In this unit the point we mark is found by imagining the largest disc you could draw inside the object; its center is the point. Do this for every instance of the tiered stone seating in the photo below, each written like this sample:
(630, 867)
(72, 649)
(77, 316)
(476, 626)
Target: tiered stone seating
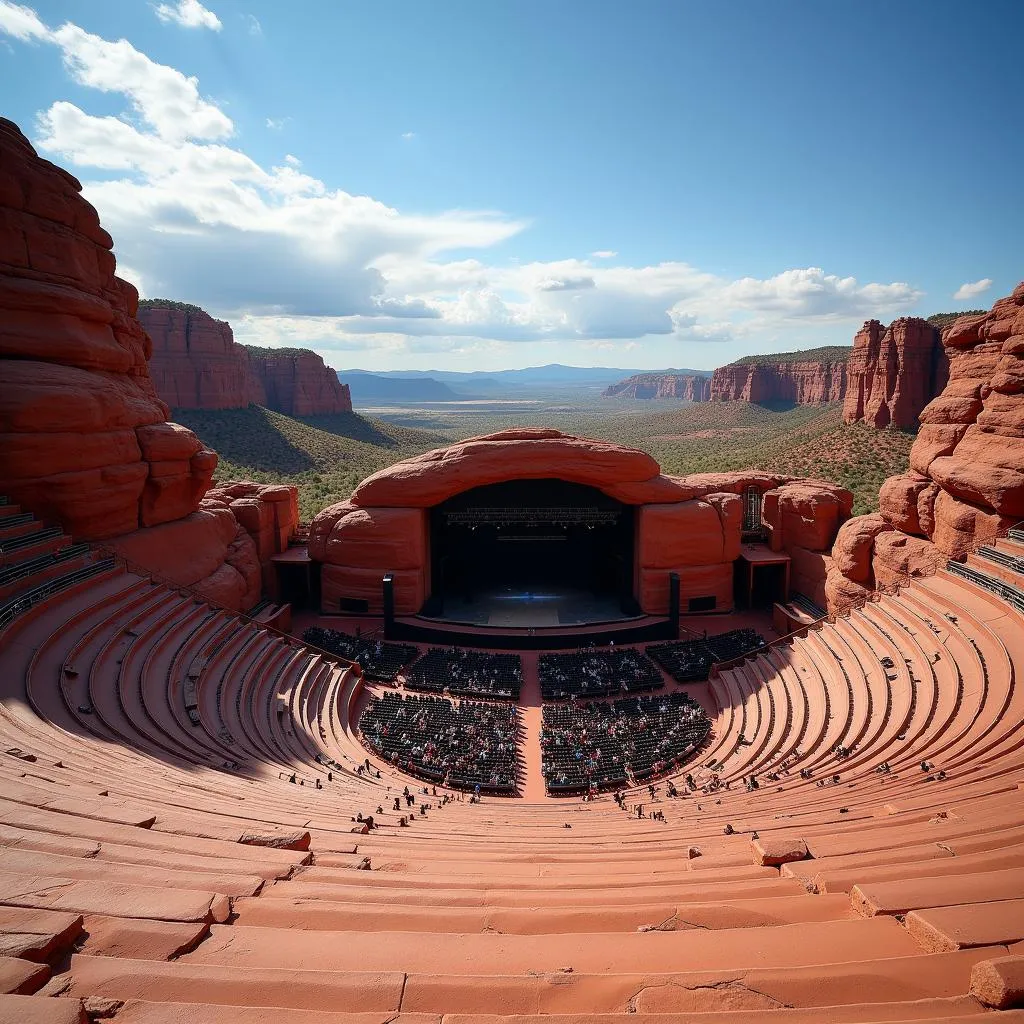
(179, 788)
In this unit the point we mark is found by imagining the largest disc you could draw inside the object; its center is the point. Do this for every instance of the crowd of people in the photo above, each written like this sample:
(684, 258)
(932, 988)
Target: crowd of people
(688, 661)
(468, 673)
(462, 745)
(377, 659)
(587, 746)
(596, 672)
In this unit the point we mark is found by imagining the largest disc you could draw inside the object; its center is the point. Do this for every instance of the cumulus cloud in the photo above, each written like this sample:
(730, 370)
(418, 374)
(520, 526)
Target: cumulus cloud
(971, 289)
(188, 14)
(288, 255)
(21, 22)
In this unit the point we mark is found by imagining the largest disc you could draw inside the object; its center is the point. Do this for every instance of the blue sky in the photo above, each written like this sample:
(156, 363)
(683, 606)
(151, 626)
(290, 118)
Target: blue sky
(471, 185)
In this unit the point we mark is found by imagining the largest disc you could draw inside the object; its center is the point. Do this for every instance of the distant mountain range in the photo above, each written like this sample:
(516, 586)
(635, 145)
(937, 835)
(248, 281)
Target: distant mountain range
(393, 386)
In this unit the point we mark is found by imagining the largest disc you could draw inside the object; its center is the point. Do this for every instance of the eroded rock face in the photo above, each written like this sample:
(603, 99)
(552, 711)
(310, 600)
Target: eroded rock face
(84, 437)
(196, 364)
(893, 372)
(691, 526)
(807, 382)
(687, 387)
(965, 485)
(297, 384)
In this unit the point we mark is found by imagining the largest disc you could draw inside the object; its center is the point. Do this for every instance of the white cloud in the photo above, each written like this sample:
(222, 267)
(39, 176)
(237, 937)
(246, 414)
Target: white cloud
(188, 14)
(972, 289)
(276, 123)
(279, 250)
(408, 136)
(21, 22)
(255, 28)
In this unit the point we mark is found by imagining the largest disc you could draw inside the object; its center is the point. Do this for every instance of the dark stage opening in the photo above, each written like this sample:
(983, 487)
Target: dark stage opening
(531, 553)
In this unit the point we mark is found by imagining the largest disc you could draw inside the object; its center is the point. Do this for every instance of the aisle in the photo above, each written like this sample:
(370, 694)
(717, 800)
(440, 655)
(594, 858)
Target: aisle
(530, 706)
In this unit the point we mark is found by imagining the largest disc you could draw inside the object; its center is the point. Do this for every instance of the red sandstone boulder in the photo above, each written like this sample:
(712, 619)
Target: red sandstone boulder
(898, 501)
(686, 533)
(730, 514)
(899, 558)
(810, 513)
(961, 527)
(808, 571)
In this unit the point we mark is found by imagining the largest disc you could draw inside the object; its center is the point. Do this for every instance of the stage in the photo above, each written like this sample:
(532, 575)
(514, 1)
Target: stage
(520, 607)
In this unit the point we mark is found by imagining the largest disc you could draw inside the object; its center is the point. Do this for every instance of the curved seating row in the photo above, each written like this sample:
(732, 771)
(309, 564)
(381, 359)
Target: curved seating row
(180, 789)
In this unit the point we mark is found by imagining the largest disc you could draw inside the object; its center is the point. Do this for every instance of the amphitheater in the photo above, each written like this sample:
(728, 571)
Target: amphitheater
(185, 783)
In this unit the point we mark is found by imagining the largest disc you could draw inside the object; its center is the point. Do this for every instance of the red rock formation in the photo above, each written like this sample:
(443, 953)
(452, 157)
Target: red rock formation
(965, 485)
(84, 439)
(689, 387)
(894, 372)
(803, 382)
(297, 383)
(196, 364)
(690, 526)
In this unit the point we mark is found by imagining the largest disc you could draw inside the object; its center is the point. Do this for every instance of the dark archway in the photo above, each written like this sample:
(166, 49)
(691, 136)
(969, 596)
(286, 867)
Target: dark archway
(551, 543)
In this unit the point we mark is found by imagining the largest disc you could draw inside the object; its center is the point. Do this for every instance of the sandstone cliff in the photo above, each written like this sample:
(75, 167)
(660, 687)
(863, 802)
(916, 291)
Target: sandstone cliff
(965, 485)
(84, 438)
(894, 372)
(196, 364)
(803, 378)
(689, 387)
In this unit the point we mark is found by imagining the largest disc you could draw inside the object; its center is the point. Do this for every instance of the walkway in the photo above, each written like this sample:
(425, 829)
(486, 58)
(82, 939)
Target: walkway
(530, 706)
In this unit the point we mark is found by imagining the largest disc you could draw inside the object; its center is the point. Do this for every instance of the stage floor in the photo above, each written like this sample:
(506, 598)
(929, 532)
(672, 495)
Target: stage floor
(527, 609)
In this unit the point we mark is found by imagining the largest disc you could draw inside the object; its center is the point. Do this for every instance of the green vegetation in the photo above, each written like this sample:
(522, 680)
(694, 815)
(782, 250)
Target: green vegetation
(943, 320)
(327, 456)
(259, 352)
(188, 307)
(825, 354)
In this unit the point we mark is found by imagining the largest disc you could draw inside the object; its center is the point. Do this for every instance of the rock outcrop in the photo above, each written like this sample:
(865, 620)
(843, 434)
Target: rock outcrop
(196, 364)
(691, 525)
(688, 387)
(965, 485)
(894, 372)
(84, 437)
(798, 378)
(296, 382)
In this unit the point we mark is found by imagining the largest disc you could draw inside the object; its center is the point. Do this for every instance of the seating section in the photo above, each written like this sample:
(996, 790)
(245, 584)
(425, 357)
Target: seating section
(463, 745)
(378, 660)
(469, 673)
(688, 661)
(184, 798)
(604, 672)
(594, 745)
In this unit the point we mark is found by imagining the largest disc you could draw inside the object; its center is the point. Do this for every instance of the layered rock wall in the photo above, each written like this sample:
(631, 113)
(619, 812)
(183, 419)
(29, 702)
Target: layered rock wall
(894, 372)
(84, 437)
(196, 364)
(965, 485)
(801, 382)
(688, 387)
